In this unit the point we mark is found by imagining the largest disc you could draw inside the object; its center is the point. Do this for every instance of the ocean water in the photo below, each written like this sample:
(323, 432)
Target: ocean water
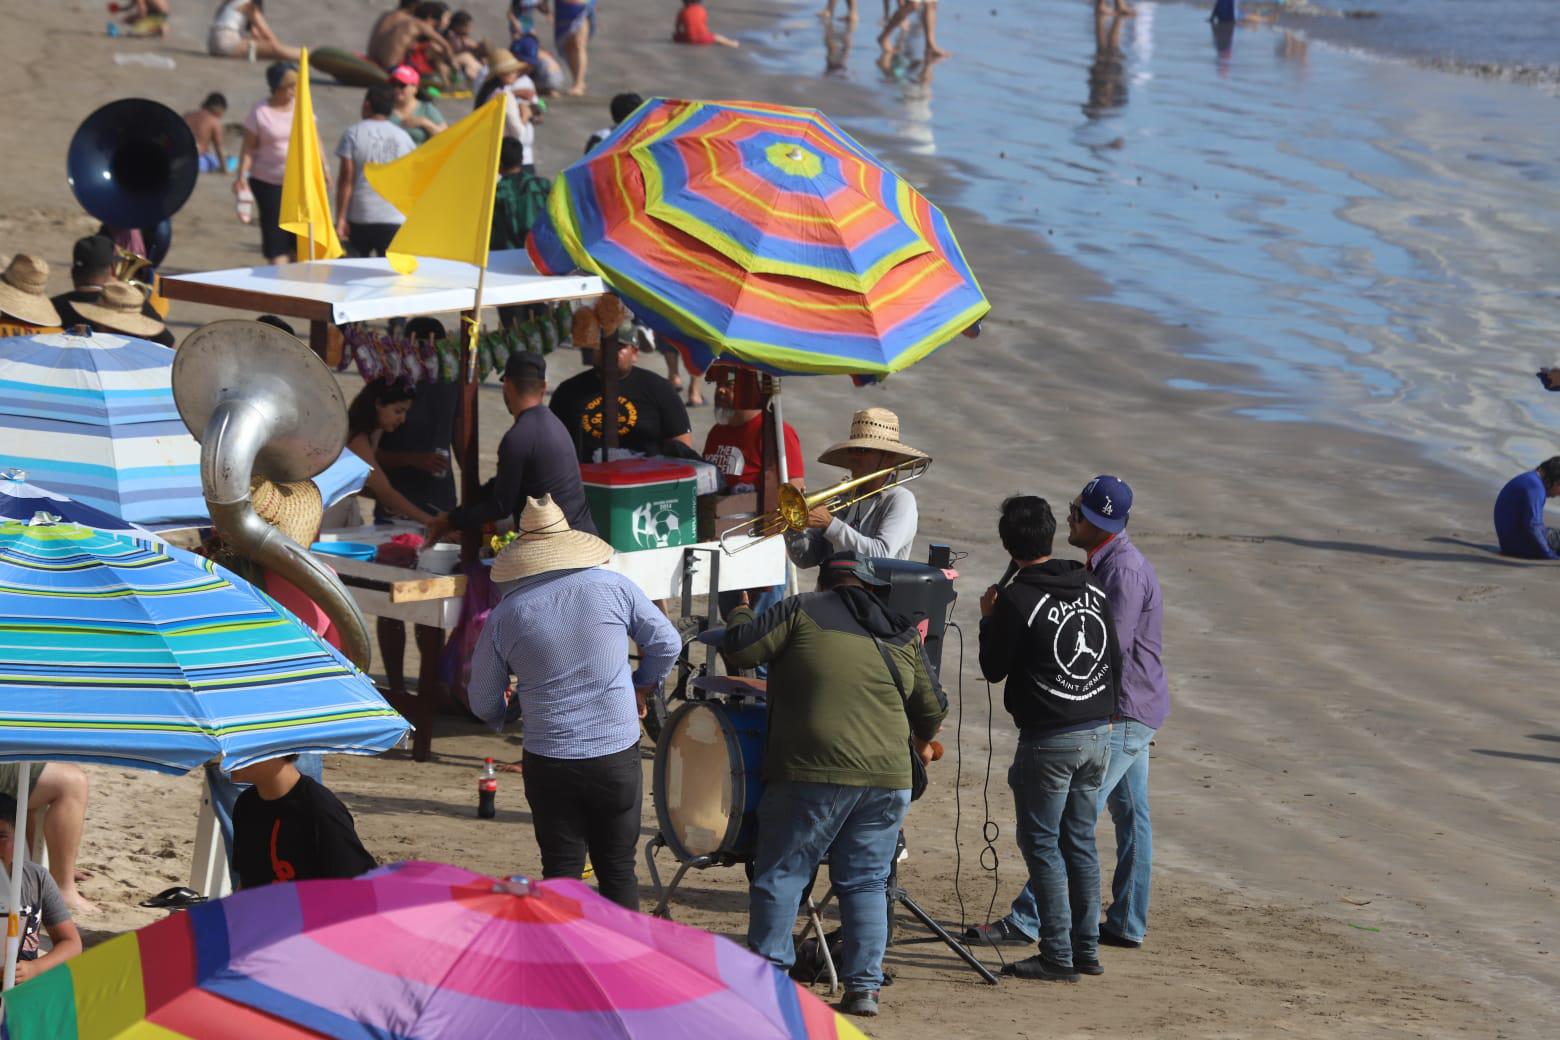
(1519, 37)
(1370, 242)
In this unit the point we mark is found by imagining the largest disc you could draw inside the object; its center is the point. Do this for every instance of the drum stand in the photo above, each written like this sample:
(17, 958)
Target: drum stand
(898, 894)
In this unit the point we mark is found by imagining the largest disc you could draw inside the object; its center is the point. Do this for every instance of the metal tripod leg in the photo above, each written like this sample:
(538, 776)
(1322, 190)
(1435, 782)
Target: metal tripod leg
(665, 895)
(902, 897)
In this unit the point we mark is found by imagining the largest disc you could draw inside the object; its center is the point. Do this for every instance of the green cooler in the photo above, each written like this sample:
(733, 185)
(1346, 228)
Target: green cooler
(642, 503)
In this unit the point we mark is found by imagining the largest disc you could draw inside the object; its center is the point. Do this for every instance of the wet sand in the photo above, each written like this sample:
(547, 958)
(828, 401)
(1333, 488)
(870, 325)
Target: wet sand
(1353, 793)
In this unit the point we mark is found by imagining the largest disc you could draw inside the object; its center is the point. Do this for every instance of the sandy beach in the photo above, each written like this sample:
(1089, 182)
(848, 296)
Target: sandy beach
(1354, 794)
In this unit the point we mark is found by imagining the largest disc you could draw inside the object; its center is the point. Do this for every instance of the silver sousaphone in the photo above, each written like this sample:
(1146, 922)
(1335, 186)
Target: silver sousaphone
(262, 404)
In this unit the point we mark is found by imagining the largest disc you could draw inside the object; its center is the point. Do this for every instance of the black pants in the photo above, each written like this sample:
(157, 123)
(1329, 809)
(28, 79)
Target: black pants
(274, 242)
(370, 239)
(588, 804)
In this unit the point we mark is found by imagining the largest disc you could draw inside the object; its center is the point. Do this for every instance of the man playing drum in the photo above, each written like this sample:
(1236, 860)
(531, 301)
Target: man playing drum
(876, 527)
(837, 764)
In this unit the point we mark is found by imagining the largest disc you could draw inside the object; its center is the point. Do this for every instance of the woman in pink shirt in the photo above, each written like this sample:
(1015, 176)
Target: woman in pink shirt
(263, 162)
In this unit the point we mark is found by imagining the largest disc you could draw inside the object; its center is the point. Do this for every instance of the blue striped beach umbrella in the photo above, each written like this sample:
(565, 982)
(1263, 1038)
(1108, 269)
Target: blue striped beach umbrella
(93, 418)
(20, 500)
(125, 651)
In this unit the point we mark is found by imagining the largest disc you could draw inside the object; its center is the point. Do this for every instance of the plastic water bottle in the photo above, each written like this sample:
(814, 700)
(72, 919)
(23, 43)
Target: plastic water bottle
(246, 205)
(487, 791)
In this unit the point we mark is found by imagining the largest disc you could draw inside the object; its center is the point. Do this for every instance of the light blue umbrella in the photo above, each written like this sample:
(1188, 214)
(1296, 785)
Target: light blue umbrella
(127, 651)
(93, 418)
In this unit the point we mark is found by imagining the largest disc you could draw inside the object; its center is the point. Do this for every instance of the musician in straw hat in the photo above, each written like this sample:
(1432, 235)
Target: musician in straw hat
(563, 631)
(22, 296)
(877, 527)
(119, 307)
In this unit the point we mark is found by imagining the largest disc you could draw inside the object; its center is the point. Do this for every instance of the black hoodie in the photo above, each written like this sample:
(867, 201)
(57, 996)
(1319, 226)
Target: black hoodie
(1052, 638)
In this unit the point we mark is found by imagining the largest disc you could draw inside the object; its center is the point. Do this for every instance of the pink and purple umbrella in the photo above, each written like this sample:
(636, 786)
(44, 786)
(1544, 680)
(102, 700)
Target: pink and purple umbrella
(418, 950)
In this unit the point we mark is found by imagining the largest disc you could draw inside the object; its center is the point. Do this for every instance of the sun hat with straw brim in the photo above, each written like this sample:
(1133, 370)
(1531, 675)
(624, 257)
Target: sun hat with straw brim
(118, 309)
(501, 61)
(23, 291)
(293, 509)
(872, 429)
(547, 543)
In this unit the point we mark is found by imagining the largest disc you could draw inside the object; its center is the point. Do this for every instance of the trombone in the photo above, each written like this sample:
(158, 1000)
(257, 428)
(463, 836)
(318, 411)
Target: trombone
(791, 514)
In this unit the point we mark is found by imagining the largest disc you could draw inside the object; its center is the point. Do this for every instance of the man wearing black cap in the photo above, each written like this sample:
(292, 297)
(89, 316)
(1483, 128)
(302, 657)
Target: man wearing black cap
(91, 268)
(836, 765)
(535, 458)
(649, 412)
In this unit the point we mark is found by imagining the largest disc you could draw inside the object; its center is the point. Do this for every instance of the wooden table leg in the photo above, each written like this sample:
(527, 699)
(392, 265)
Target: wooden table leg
(325, 340)
(430, 647)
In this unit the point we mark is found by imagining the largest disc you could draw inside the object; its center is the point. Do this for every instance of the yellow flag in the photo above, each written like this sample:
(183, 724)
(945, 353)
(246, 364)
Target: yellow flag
(305, 200)
(445, 190)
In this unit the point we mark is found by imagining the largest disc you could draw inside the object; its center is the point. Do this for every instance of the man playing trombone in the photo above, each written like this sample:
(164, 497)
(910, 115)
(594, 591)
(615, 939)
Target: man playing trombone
(878, 523)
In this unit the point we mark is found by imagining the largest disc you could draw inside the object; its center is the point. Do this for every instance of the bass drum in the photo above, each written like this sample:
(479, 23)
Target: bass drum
(708, 779)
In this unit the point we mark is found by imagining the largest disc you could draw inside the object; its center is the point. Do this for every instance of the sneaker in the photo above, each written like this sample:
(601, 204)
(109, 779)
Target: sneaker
(1087, 966)
(1110, 938)
(863, 1003)
(1041, 968)
(998, 933)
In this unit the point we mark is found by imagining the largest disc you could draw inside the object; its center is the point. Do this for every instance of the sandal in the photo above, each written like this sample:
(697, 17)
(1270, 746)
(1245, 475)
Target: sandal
(177, 898)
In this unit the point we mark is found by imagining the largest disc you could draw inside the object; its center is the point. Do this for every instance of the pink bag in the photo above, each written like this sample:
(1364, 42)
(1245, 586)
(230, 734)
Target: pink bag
(481, 597)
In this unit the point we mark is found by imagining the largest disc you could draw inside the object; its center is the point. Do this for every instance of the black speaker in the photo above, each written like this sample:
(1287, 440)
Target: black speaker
(926, 595)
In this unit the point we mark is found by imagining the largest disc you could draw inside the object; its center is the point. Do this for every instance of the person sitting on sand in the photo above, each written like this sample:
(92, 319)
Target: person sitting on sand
(41, 908)
(545, 69)
(468, 50)
(1519, 513)
(290, 827)
(61, 788)
(623, 106)
(693, 26)
(928, 9)
(144, 17)
(23, 303)
(239, 30)
(205, 123)
(399, 33)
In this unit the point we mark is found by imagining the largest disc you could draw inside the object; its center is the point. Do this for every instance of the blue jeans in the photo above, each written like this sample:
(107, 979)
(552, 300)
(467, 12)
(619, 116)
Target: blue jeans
(1056, 784)
(1125, 793)
(224, 794)
(855, 828)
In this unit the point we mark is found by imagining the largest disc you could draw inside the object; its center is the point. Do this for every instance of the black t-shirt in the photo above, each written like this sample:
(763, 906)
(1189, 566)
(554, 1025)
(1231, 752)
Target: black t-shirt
(649, 412)
(535, 458)
(429, 426)
(69, 316)
(304, 835)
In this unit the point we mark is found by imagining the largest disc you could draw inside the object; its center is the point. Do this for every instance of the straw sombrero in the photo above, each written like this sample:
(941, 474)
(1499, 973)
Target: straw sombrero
(294, 509)
(547, 543)
(501, 61)
(22, 291)
(875, 429)
(118, 309)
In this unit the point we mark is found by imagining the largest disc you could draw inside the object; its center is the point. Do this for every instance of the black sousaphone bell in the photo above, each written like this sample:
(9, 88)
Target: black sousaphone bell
(132, 164)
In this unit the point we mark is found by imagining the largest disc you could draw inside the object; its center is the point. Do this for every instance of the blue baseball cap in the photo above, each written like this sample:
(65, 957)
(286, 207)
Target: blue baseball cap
(1105, 502)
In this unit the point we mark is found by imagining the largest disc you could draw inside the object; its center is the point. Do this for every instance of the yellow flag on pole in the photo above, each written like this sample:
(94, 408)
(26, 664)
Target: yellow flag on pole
(305, 199)
(445, 190)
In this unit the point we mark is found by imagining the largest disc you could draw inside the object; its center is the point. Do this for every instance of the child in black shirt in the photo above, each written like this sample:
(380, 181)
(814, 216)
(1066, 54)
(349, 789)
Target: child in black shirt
(288, 827)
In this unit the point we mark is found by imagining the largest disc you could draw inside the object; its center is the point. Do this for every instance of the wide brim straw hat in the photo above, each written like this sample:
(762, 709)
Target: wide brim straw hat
(23, 291)
(501, 61)
(547, 543)
(118, 309)
(872, 429)
(294, 509)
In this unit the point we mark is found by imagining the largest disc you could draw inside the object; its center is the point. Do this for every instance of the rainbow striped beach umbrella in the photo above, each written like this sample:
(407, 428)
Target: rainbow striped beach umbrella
(418, 950)
(763, 233)
(126, 651)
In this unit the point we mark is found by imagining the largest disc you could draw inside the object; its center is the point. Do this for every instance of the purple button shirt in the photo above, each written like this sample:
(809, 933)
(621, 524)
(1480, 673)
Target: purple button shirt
(1132, 587)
